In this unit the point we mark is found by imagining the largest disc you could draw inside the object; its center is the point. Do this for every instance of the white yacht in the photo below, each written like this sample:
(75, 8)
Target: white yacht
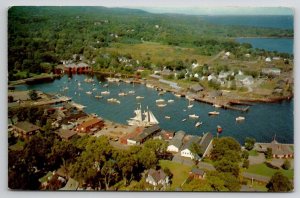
(240, 118)
(198, 124)
(105, 93)
(193, 116)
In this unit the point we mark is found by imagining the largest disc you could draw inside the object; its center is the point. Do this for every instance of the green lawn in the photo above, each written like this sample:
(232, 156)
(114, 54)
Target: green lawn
(180, 172)
(262, 169)
(253, 153)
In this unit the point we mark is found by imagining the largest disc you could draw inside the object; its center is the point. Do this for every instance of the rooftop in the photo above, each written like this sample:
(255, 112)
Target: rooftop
(27, 126)
(66, 133)
(157, 175)
(90, 122)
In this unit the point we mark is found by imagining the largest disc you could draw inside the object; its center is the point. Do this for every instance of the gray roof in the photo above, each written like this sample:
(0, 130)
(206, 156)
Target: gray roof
(176, 142)
(196, 88)
(177, 139)
(157, 175)
(179, 135)
(194, 139)
(147, 132)
(66, 133)
(27, 126)
(198, 171)
(205, 140)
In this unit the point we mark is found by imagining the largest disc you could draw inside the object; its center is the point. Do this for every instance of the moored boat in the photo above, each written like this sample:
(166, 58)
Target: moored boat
(143, 119)
(213, 113)
(193, 116)
(198, 124)
(88, 92)
(105, 93)
(114, 100)
(161, 105)
(97, 96)
(240, 118)
(216, 105)
(160, 100)
(122, 94)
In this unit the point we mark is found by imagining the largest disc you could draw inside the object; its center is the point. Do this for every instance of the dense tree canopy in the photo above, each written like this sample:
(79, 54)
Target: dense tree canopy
(279, 183)
(40, 37)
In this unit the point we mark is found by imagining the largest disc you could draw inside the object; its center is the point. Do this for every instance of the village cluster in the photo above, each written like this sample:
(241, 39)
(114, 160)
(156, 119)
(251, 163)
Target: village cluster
(69, 120)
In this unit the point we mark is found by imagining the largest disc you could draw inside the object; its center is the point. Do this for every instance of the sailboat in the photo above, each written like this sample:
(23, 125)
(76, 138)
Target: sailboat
(142, 119)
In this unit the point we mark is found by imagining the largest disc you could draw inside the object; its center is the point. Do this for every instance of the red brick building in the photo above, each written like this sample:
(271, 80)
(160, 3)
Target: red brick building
(90, 125)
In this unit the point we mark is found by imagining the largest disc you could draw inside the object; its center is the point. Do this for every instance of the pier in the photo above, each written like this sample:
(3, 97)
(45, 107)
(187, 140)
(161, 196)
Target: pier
(61, 99)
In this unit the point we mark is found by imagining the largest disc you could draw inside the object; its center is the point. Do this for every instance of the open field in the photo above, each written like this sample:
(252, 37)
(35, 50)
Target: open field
(262, 169)
(180, 172)
(156, 52)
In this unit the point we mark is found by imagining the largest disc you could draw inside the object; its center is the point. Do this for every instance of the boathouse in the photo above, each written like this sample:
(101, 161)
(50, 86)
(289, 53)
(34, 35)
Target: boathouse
(77, 68)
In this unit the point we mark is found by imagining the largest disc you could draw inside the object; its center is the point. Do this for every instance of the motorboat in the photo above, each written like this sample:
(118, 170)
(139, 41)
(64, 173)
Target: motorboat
(183, 120)
(240, 118)
(213, 113)
(161, 105)
(198, 124)
(160, 100)
(88, 92)
(113, 100)
(122, 94)
(131, 92)
(105, 93)
(216, 106)
(97, 96)
(193, 116)
(170, 101)
(139, 97)
(177, 95)
(167, 117)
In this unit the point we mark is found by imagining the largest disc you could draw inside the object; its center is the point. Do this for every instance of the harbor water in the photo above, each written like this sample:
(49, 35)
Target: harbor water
(262, 121)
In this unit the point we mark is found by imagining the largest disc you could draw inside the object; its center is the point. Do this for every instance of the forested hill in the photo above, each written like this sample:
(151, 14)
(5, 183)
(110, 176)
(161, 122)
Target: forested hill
(44, 35)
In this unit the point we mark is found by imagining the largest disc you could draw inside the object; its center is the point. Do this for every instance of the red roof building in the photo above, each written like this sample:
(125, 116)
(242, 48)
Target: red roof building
(90, 125)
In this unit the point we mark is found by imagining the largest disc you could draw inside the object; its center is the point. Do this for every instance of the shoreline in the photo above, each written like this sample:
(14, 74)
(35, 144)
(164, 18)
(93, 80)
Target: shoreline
(226, 102)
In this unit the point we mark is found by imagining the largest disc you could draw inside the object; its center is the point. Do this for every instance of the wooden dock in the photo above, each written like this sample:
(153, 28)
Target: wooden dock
(52, 101)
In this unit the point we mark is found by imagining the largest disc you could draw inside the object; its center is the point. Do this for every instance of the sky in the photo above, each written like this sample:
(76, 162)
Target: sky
(221, 10)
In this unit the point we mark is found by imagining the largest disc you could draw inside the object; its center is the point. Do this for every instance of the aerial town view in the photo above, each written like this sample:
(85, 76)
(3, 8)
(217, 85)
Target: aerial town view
(146, 99)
